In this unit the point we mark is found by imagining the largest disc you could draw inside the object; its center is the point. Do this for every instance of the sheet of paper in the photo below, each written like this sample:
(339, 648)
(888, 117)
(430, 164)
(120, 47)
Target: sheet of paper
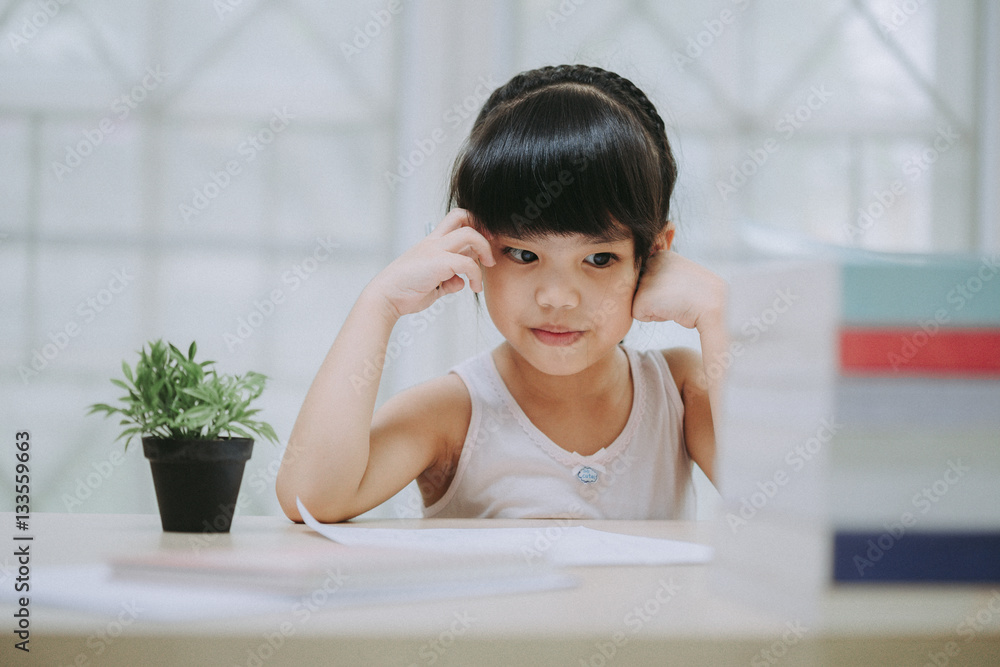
(558, 545)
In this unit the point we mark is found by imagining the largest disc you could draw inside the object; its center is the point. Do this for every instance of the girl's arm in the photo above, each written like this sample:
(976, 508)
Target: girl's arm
(674, 288)
(334, 462)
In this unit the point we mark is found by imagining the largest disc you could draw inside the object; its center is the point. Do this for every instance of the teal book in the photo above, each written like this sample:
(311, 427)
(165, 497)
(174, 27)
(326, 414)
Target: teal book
(934, 291)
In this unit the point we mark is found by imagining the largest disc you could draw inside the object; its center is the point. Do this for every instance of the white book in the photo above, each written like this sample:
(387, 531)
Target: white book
(773, 549)
(919, 403)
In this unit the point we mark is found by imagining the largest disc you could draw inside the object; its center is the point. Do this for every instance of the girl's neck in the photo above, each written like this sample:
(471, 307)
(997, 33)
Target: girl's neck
(609, 376)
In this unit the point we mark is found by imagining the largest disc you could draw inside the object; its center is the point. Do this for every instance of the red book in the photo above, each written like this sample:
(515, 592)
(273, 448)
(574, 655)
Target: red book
(944, 351)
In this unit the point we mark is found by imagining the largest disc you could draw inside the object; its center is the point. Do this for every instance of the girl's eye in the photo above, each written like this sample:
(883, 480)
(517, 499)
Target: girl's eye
(600, 258)
(519, 255)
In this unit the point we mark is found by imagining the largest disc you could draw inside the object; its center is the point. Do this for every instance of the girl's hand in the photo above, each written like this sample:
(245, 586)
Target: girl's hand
(673, 288)
(434, 266)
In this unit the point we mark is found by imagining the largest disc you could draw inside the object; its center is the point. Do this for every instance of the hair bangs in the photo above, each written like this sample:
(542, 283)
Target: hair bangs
(567, 161)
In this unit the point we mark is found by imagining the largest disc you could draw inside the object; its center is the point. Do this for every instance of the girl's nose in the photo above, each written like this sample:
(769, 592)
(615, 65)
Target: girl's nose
(554, 292)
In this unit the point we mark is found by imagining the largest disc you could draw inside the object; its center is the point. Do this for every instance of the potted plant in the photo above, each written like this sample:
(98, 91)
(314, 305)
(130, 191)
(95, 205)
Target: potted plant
(196, 428)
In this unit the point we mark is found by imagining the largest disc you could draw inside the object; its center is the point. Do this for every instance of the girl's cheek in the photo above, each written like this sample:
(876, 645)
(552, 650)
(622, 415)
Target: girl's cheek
(626, 284)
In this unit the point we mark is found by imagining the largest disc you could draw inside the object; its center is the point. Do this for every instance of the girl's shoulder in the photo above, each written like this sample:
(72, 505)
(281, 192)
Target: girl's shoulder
(448, 396)
(439, 408)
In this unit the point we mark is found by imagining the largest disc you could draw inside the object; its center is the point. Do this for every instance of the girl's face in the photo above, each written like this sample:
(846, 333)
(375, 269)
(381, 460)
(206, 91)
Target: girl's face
(562, 302)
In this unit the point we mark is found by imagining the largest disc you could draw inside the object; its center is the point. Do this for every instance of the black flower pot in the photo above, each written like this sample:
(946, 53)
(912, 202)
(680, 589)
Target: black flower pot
(197, 481)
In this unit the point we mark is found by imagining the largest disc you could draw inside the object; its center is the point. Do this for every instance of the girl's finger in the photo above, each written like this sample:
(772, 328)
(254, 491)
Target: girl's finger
(470, 221)
(468, 266)
(456, 218)
(453, 284)
(469, 242)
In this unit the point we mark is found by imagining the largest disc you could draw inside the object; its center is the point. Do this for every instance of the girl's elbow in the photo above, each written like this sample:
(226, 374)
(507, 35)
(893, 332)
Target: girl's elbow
(319, 506)
(286, 499)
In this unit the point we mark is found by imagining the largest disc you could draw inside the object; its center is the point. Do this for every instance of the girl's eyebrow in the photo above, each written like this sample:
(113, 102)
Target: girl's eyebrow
(582, 241)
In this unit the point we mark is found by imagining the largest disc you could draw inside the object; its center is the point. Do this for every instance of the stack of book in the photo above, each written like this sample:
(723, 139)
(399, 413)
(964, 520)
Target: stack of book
(914, 483)
(860, 430)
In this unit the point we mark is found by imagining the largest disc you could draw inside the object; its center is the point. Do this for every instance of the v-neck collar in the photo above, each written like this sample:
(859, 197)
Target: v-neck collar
(547, 444)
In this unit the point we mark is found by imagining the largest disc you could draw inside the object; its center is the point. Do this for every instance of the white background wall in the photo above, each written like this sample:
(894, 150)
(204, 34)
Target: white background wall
(114, 114)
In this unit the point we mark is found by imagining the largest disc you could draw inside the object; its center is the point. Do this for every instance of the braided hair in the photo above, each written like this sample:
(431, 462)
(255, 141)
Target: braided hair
(568, 149)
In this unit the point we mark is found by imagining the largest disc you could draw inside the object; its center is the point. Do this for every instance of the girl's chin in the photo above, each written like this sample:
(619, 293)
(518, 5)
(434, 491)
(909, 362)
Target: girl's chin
(557, 359)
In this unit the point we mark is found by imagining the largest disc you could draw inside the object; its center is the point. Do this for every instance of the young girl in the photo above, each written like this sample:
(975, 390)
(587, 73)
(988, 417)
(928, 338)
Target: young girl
(561, 221)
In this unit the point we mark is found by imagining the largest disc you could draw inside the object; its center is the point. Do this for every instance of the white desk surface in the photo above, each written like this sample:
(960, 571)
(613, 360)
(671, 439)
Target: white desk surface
(872, 625)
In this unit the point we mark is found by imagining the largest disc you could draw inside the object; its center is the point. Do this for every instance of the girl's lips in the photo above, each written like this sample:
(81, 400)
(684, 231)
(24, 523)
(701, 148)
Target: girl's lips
(557, 338)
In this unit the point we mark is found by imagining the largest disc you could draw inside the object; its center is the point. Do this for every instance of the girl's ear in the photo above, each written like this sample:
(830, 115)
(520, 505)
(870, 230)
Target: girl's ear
(665, 239)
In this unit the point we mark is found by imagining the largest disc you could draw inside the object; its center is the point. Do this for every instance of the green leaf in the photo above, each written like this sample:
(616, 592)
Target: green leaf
(199, 416)
(169, 394)
(119, 383)
(267, 432)
(200, 393)
(233, 428)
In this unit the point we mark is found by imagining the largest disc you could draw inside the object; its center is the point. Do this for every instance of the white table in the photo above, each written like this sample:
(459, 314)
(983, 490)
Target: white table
(884, 625)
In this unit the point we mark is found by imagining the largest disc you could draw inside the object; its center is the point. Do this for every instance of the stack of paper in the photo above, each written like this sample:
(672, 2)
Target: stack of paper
(915, 466)
(185, 585)
(347, 575)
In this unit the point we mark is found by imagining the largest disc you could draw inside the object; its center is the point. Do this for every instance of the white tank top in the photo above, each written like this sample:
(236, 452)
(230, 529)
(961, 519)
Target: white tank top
(510, 469)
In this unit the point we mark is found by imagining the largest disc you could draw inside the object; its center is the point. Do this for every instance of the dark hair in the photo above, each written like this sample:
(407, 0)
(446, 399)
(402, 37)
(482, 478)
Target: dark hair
(568, 149)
